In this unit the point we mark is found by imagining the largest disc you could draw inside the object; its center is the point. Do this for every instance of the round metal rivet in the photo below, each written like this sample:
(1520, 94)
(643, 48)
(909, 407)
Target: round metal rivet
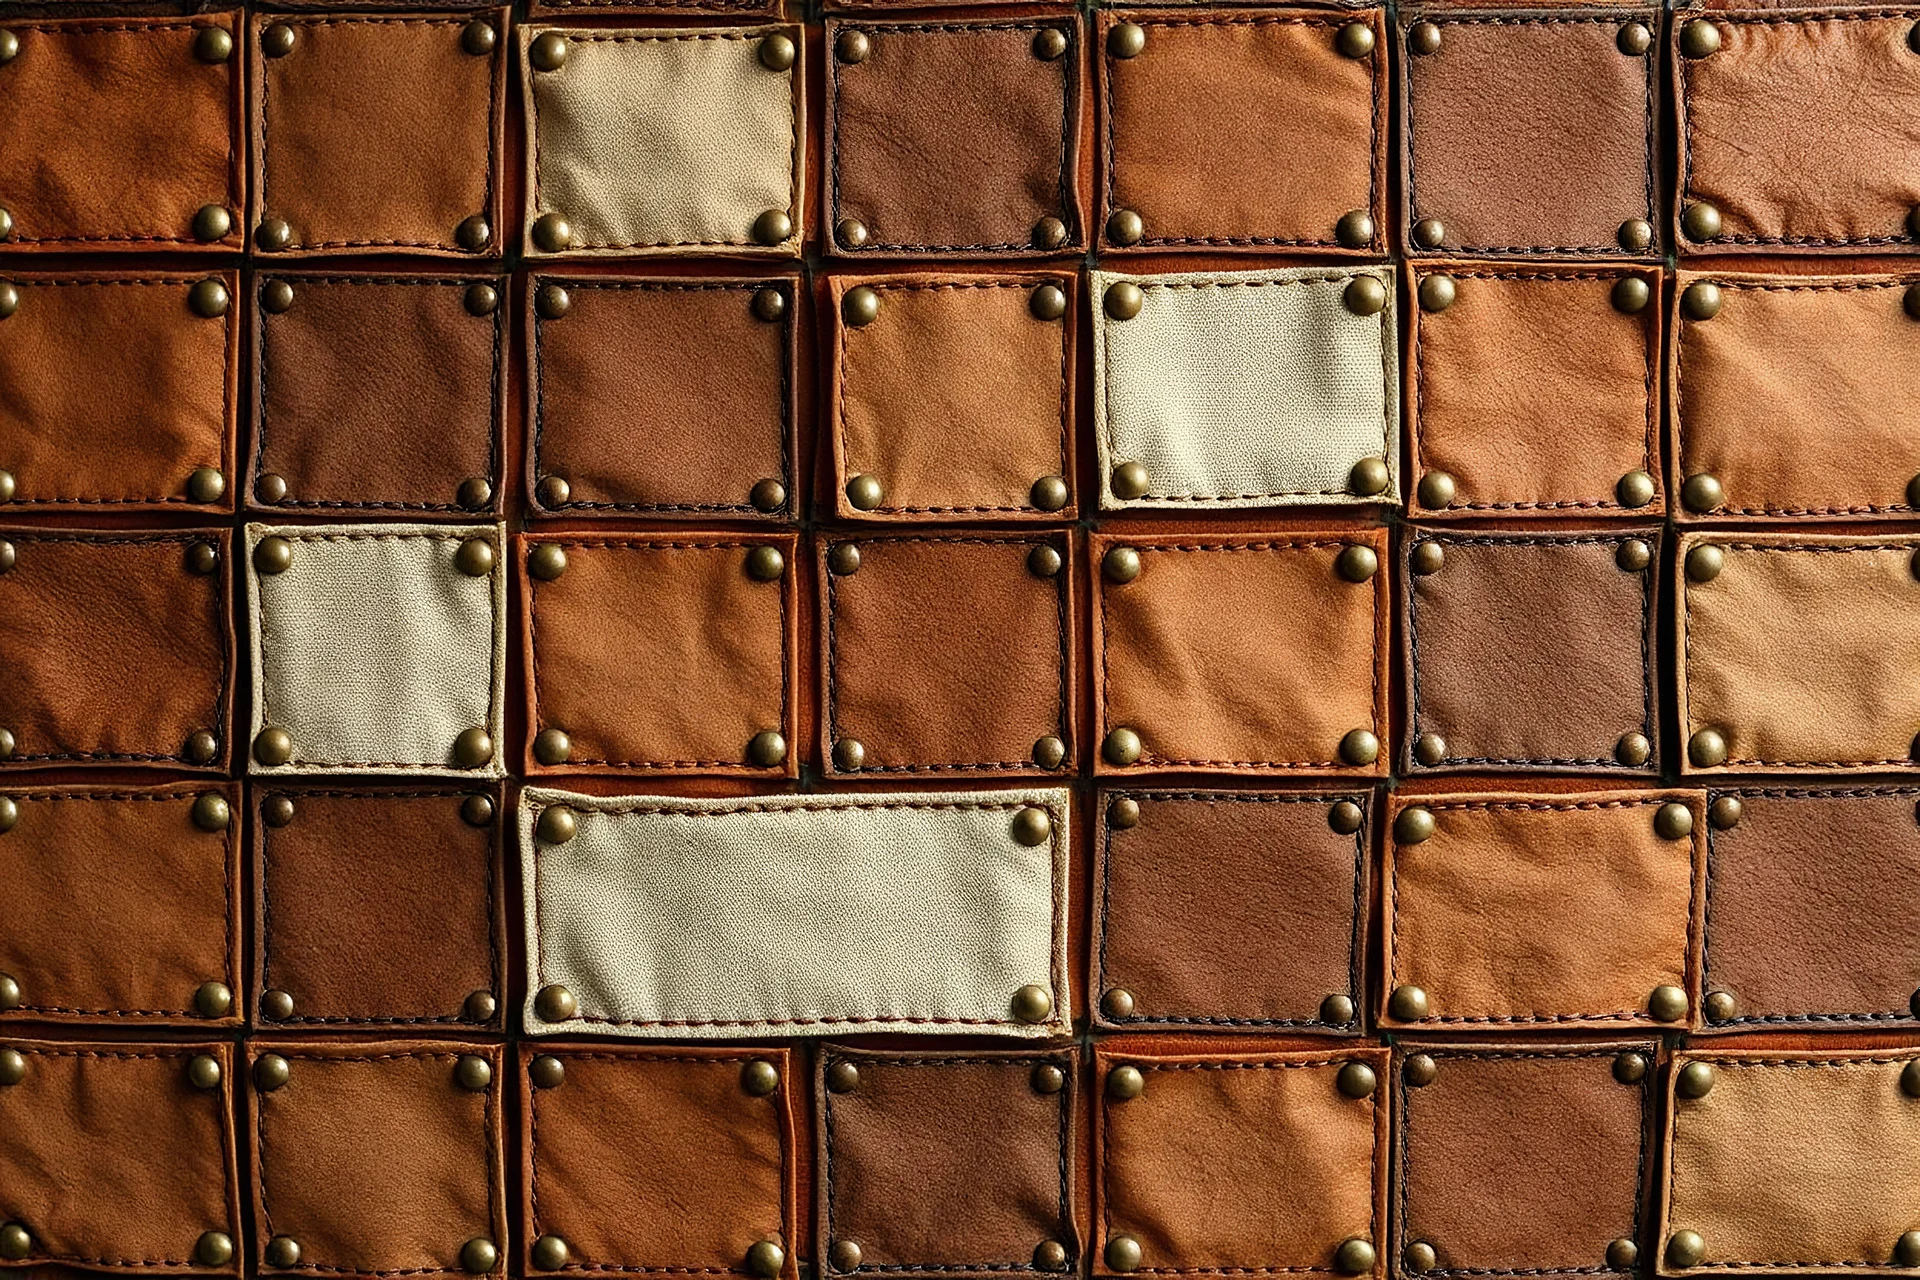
(1910, 1079)
(1049, 43)
(770, 304)
(479, 1006)
(1437, 292)
(481, 299)
(1426, 557)
(206, 484)
(1122, 1253)
(1356, 1080)
(1423, 38)
(474, 233)
(555, 1003)
(1356, 563)
(850, 233)
(1699, 39)
(202, 559)
(1686, 1249)
(844, 1255)
(1634, 749)
(556, 824)
(1430, 749)
(479, 1256)
(1419, 1256)
(213, 1248)
(1707, 748)
(843, 558)
(208, 299)
(272, 555)
(1032, 826)
(549, 1253)
(548, 52)
(273, 233)
(1702, 492)
(1634, 39)
(1049, 233)
(478, 37)
(1704, 562)
(766, 1258)
(1126, 40)
(473, 1072)
(13, 1067)
(546, 1071)
(1048, 1078)
(768, 495)
(273, 746)
(1354, 230)
(1355, 40)
(551, 302)
(1668, 1003)
(1724, 812)
(1049, 493)
(1365, 296)
(1125, 1083)
(1913, 214)
(1048, 302)
(211, 222)
(283, 1251)
(547, 561)
(10, 47)
(852, 47)
(1429, 232)
(1701, 221)
(1122, 300)
(1695, 1080)
(1120, 564)
(552, 233)
(1673, 821)
(1338, 1010)
(1906, 1250)
(1414, 824)
(473, 748)
(210, 812)
(1049, 752)
(277, 41)
(759, 1078)
(270, 1072)
(849, 755)
(10, 996)
(1123, 813)
(276, 1006)
(1718, 1006)
(1631, 295)
(1355, 1257)
(1125, 227)
(1634, 490)
(1437, 490)
(766, 563)
(9, 814)
(553, 492)
(1050, 1255)
(861, 306)
(865, 493)
(1630, 1068)
(474, 558)
(777, 52)
(1369, 477)
(1345, 817)
(843, 1077)
(1117, 1003)
(1635, 235)
(277, 811)
(7, 743)
(276, 297)
(16, 1242)
(1128, 481)
(767, 749)
(9, 303)
(6, 224)
(1359, 746)
(1121, 746)
(1032, 1003)
(1419, 1071)
(1408, 1003)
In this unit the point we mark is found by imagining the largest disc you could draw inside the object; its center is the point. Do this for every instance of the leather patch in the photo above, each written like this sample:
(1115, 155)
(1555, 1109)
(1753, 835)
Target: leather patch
(129, 867)
(1184, 878)
(957, 397)
(716, 377)
(1543, 909)
(350, 371)
(378, 908)
(1529, 133)
(1531, 651)
(922, 1133)
(119, 650)
(114, 390)
(1518, 346)
(660, 1161)
(947, 655)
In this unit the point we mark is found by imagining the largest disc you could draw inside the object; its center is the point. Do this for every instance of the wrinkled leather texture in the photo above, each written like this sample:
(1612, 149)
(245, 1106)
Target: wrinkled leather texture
(113, 391)
(113, 1161)
(657, 654)
(947, 654)
(1531, 651)
(1244, 129)
(1535, 908)
(1796, 652)
(1529, 132)
(378, 908)
(83, 864)
(378, 133)
(952, 137)
(115, 652)
(1178, 894)
(350, 373)
(1794, 395)
(375, 1159)
(716, 384)
(1519, 347)
(955, 397)
(86, 159)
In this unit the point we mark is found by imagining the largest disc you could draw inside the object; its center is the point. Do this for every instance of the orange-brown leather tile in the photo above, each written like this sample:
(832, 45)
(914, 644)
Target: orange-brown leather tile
(1813, 900)
(115, 389)
(1530, 132)
(378, 908)
(1531, 651)
(1245, 129)
(118, 132)
(119, 647)
(1524, 1159)
(956, 395)
(661, 1161)
(1793, 654)
(155, 870)
(1514, 909)
(349, 375)
(1797, 131)
(1510, 347)
(953, 138)
(1184, 878)
(947, 654)
(377, 133)
(668, 398)
(1241, 653)
(918, 1133)
(1781, 397)
(117, 1160)
(1241, 1163)
(656, 654)
(377, 1157)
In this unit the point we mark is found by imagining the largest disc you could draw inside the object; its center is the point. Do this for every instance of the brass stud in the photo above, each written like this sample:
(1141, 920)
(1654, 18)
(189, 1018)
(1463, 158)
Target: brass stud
(472, 1072)
(210, 222)
(1634, 490)
(270, 1072)
(1673, 821)
(1049, 44)
(1356, 1080)
(1126, 40)
(1702, 492)
(7, 743)
(1704, 562)
(1365, 296)
(277, 41)
(202, 559)
(547, 561)
(548, 52)
(10, 47)
(277, 811)
(1345, 817)
(843, 558)
(273, 233)
(1129, 480)
(204, 1072)
(555, 1003)
(1429, 232)
(273, 746)
(1910, 302)
(1695, 1080)
(548, 1253)
(766, 563)
(1420, 1070)
(1414, 824)
(1050, 1255)
(1426, 558)
(768, 495)
(1048, 1078)
(844, 1255)
(1635, 235)
(1122, 1253)
(546, 1071)
(1913, 214)
(1032, 826)
(1423, 38)
(479, 1006)
(852, 47)
(1686, 1249)
(1408, 1003)
(10, 996)
(1630, 1067)
(474, 233)
(1125, 1083)
(1049, 233)
(777, 52)
(1048, 302)
(851, 233)
(1419, 1256)
(207, 299)
(9, 303)
(1668, 1003)
(9, 814)
(1910, 1079)
(206, 485)
(1355, 1257)
(1699, 39)
(552, 233)
(211, 812)
(481, 299)
(1125, 227)
(1359, 746)
(849, 755)
(276, 1006)
(1430, 749)
(1634, 39)
(1121, 746)
(1124, 813)
(473, 748)
(843, 1077)
(1355, 40)
(13, 1067)
(1437, 490)
(1120, 564)
(1369, 477)
(1049, 493)
(479, 1256)
(1437, 292)
(552, 746)
(1049, 751)
(213, 1248)
(1634, 749)
(1724, 812)
(1631, 295)
(767, 749)
(1701, 221)
(1707, 748)
(1117, 1002)
(16, 1242)
(1122, 300)
(861, 306)
(1906, 1250)
(1356, 562)
(556, 825)
(474, 493)
(1338, 1010)
(553, 492)
(765, 1258)
(272, 555)
(1718, 1006)
(474, 558)
(759, 1078)
(1032, 1003)
(551, 302)
(1354, 230)
(864, 492)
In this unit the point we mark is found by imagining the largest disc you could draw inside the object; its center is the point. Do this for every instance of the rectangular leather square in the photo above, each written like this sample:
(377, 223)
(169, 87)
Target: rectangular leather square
(1791, 398)
(153, 872)
(656, 654)
(1283, 668)
(378, 907)
(1510, 909)
(146, 157)
(1531, 651)
(1793, 652)
(1182, 880)
(904, 1138)
(1494, 350)
(1796, 131)
(1246, 129)
(1523, 1160)
(954, 394)
(118, 1160)
(663, 397)
(349, 368)
(954, 138)
(947, 655)
(119, 648)
(664, 1161)
(378, 133)
(1267, 1161)
(377, 1157)
(1813, 900)
(1531, 132)
(118, 390)
(1801, 1160)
